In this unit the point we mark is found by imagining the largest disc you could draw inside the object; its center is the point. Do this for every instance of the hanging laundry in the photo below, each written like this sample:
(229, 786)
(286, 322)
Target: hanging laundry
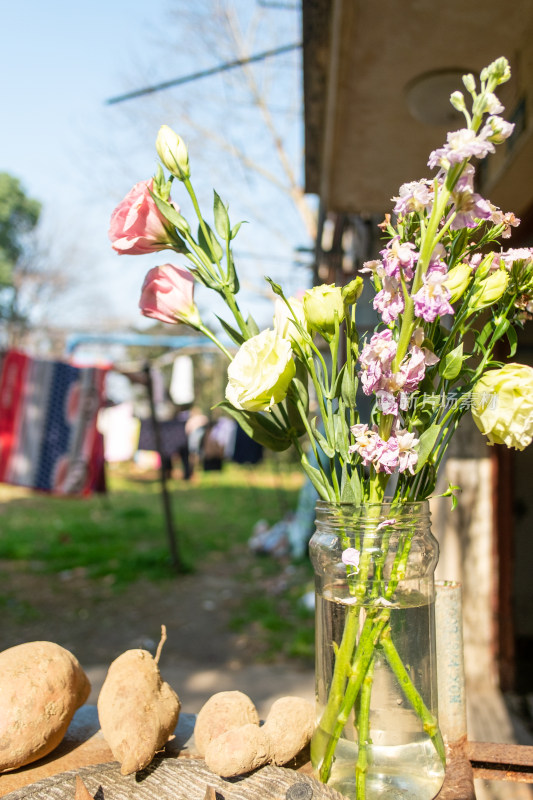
(181, 388)
(48, 435)
(120, 430)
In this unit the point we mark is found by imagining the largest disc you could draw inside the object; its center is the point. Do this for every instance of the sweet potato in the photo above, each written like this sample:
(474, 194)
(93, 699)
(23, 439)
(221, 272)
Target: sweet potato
(41, 686)
(137, 710)
(288, 727)
(233, 749)
(237, 751)
(223, 711)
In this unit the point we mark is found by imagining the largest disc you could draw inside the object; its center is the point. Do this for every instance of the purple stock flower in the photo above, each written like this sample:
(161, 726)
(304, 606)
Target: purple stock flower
(389, 456)
(389, 302)
(376, 370)
(408, 457)
(399, 258)
(497, 129)
(397, 453)
(375, 360)
(413, 369)
(470, 207)
(432, 299)
(351, 557)
(414, 197)
(512, 255)
(387, 402)
(367, 444)
(460, 145)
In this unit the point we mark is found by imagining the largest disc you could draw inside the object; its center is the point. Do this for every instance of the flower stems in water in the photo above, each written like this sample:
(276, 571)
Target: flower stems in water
(396, 664)
(364, 733)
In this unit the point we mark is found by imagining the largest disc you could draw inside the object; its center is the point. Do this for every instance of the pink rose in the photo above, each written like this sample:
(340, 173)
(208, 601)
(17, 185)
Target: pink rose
(137, 226)
(167, 295)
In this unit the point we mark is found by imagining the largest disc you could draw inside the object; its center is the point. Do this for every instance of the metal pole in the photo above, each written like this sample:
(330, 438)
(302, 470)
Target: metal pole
(171, 534)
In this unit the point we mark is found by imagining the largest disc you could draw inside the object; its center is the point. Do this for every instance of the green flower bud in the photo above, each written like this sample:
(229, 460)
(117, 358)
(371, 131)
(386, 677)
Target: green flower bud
(469, 83)
(484, 266)
(322, 304)
(458, 101)
(173, 153)
(457, 281)
(489, 290)
(499, 71)
(351, 292)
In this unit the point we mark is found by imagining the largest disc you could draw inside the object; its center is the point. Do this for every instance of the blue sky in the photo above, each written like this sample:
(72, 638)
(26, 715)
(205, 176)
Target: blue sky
(60, 61)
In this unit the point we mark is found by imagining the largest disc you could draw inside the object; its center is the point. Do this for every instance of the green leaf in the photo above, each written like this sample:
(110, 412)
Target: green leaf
(259, 427)
(426, 445)
(451, 366)
(170, 213)
(501, 328)
(234, 335)
(347, 492)
(338, 382)
(300, 381)
(232, 275)
(252, 326)
(235, 229)
(295, 417)
(329, 451)
(349, 389)
(357, 489)
(341, 433)
(513, 341)
(204, 277)
(485, 333)
(350, 487)
(210, 246)
(220, 214)
(318, 481)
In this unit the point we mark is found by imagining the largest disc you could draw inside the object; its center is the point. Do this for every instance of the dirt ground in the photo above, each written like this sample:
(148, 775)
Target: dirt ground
(97, 623)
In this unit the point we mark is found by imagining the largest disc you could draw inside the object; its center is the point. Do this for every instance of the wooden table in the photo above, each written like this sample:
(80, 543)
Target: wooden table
(84, 751)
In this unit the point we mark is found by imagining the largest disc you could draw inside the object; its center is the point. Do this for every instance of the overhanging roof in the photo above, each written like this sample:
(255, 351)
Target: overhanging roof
(371, 68)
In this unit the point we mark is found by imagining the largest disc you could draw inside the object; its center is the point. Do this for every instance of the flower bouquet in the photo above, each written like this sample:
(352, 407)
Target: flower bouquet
(447, 296)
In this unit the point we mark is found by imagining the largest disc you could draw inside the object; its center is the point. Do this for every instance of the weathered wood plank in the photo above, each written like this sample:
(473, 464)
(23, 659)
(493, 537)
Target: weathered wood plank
(178, 779)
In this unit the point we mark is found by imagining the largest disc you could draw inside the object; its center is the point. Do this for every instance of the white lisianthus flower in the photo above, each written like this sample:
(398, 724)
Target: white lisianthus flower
(502, 405)
(260, 374)
(284, 321)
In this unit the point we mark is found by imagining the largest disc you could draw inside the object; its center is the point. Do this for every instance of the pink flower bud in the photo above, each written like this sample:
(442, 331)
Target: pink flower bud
(167, 295)
(137, 226)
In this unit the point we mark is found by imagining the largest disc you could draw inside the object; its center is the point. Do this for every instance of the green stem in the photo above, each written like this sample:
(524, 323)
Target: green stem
(363, 655)
(363, 728)
(229, 297)
(214, 339)
(428, 720)
(192, 194)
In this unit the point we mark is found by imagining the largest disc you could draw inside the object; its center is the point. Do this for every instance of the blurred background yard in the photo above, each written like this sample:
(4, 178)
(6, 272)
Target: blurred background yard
(95, 574)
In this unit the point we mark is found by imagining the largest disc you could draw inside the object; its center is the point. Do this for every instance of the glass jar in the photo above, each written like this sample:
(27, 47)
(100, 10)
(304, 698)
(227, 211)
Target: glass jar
(377, 734)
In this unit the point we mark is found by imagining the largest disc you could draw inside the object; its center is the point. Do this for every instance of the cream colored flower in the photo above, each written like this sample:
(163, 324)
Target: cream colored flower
(172, 151)
(284, 321)
(502, 405)
(321, 304)
(260, 374)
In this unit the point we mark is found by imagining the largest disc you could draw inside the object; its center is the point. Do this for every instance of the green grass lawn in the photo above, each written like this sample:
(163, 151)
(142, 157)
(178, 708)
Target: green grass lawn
(122, 536)
(123, 533)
